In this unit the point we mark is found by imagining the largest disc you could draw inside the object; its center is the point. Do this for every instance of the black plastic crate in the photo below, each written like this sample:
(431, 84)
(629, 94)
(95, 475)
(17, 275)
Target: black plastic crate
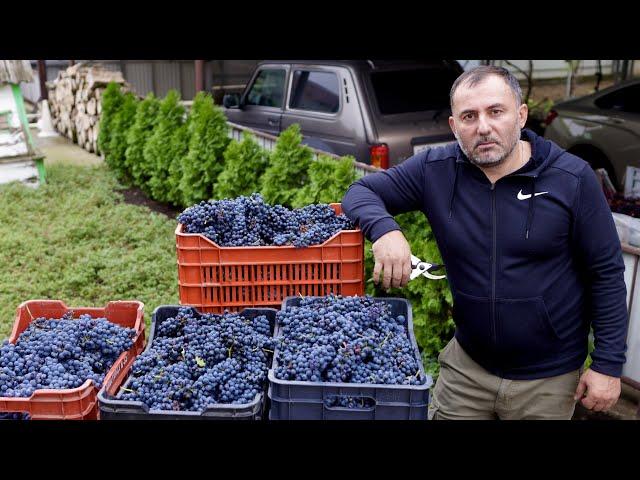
(298, 400)
(112, 408)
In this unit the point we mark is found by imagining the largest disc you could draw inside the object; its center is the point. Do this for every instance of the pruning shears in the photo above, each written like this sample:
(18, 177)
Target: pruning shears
(424, 268)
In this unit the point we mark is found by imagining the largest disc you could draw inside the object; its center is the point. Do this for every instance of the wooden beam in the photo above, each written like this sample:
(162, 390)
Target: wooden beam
(199, 65)
(42, 75)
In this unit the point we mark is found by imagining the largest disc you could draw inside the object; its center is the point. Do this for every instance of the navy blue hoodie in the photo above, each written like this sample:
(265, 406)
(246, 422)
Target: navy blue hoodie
(532, 260)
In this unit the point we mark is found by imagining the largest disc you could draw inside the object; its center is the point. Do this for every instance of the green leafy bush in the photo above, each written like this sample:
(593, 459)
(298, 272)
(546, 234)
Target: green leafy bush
(244, 164)
(329, 180)
(145, 120)
(158, 152)
(287, 170)
(209, 137)
(179, 150)
(111, 102)
(122, 122)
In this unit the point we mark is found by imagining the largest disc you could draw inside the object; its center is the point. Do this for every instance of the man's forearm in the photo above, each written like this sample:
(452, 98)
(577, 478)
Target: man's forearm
(367, 210)
(599, 249)
(373, 200)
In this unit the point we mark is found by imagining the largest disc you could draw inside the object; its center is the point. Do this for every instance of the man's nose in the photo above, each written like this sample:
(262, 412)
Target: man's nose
(483, 125)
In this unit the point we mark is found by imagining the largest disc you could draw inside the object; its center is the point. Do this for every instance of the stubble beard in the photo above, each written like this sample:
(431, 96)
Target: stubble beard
(492, 160)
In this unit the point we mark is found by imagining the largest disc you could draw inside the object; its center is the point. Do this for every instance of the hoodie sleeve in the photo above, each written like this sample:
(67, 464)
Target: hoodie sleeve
(373, 200)
(599, 250)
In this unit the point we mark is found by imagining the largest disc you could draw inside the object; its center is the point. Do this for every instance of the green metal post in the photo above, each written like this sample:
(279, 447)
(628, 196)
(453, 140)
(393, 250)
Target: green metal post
(22, 114)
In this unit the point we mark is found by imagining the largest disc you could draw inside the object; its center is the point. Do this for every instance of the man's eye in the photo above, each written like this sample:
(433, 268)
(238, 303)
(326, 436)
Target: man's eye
(468, 116)
(496, 112)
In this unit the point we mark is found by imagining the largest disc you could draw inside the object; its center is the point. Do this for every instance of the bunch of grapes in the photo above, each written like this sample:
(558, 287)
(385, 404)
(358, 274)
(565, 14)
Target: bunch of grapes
(345, 339)
(198, 360)
(248, 221)
(619, 204)
(61, 354)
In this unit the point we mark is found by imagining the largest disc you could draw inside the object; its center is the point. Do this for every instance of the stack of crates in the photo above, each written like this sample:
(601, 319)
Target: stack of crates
(214, 278)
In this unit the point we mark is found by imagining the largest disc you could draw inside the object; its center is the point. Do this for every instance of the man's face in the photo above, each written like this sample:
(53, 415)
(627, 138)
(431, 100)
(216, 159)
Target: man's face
(487, 120)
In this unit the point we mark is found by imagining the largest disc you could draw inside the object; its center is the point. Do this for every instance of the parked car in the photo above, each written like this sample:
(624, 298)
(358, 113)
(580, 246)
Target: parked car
(602, 128)
(381, 112)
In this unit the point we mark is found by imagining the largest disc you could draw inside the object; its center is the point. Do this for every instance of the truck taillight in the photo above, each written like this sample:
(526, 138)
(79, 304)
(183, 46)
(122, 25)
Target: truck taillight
(550, 117)
(379, 155)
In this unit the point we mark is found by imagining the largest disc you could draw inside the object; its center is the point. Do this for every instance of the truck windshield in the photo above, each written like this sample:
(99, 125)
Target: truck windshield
(406, 91)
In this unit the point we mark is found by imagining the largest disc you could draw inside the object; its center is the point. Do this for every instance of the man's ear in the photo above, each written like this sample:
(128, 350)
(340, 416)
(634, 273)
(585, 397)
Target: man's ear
(523, 114)
(452, 125)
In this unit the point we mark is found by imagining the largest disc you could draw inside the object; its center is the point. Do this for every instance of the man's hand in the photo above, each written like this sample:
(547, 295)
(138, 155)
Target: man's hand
(602, 391)
(392, 256)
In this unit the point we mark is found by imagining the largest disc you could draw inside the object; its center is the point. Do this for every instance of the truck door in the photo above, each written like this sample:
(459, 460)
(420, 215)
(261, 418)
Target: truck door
(322, 101)
(263, 101)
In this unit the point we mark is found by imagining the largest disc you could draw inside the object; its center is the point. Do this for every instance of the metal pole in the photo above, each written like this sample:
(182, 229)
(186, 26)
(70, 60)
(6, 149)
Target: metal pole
(42, 76)
(154, 83)
(199, 65)
(625, 70)
(616, 71)
(567, 93)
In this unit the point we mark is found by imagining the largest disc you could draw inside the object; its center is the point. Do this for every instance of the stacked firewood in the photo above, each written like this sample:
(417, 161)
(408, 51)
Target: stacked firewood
(75, 101)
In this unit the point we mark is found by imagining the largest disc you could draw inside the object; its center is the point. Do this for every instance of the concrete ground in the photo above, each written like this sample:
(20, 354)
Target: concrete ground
(61, 149)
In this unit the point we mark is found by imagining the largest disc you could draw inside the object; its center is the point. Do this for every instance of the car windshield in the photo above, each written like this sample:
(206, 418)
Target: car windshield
(406, 91)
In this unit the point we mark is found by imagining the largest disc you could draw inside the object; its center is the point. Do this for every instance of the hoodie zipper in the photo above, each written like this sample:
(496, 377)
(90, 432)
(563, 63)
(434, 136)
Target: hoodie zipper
(493, 265)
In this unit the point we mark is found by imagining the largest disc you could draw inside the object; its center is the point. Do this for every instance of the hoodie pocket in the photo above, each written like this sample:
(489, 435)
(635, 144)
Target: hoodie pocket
(524, 332)
(472, 316)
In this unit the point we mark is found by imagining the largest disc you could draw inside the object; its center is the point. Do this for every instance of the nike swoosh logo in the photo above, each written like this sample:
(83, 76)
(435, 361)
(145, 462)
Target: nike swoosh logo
(521, 196)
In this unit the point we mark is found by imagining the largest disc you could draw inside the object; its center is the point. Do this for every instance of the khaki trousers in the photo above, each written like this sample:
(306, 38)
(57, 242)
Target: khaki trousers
(466, 391)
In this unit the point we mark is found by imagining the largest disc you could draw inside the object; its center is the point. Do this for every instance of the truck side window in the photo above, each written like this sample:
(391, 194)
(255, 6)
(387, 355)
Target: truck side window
(268, 89)
(316, 91)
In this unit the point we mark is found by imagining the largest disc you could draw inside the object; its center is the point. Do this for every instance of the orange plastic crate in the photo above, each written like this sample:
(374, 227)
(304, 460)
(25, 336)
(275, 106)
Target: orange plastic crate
(79, 403)
(214, 278)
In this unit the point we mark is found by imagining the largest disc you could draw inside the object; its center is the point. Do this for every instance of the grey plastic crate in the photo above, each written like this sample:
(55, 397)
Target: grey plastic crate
(113, 408)
(298, 400)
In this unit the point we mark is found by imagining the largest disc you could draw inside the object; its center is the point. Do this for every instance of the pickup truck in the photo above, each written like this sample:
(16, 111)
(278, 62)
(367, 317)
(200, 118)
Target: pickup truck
(381, 112)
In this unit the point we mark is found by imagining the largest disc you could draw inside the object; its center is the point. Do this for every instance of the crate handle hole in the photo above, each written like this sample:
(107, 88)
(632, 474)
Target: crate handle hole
(15, 416)
(349, 402)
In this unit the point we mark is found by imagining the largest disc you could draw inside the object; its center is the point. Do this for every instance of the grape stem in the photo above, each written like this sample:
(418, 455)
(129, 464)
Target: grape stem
(385, 339)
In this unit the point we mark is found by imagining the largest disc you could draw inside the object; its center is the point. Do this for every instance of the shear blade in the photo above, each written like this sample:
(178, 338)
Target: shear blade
(433, 277)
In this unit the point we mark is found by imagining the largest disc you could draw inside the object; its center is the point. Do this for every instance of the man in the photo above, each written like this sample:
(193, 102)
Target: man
(532, 257)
